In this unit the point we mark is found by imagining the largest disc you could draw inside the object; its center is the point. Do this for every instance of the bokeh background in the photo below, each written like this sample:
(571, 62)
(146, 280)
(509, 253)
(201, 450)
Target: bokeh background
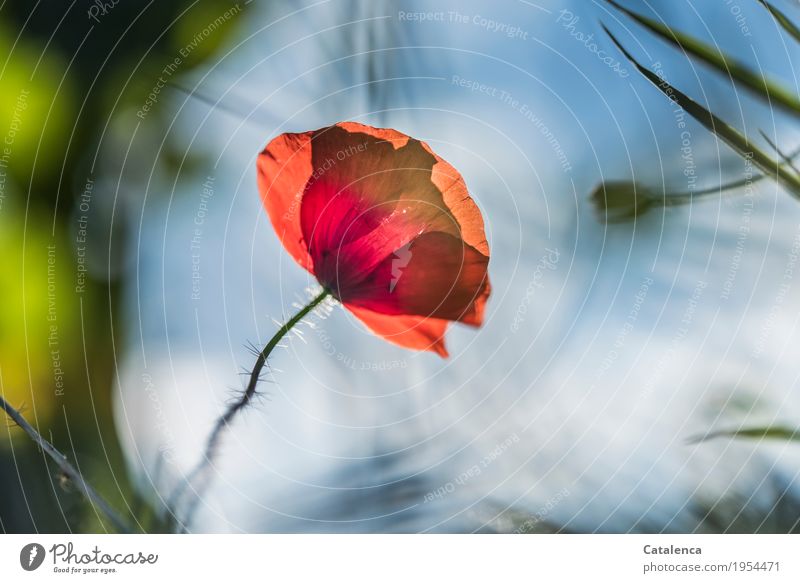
(138, 265)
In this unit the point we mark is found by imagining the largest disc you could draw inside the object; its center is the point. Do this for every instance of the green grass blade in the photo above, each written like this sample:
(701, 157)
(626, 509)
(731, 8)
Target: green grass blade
(717, 126)
(714, 57)
(769, 432)
(783, 20)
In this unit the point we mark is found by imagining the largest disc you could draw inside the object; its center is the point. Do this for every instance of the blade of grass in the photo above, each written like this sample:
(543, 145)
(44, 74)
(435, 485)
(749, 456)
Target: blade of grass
(714, 57)
(717, 126)
(783, 20)
(769, 432)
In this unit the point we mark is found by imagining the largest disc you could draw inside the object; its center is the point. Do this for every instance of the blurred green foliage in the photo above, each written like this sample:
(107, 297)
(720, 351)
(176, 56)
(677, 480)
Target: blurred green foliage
(67, 70)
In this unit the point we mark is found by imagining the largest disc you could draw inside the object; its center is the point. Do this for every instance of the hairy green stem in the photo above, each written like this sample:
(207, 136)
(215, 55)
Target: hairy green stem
(212, 443)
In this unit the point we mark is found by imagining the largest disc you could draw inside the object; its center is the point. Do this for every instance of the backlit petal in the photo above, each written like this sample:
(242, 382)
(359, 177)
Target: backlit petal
(411, 332)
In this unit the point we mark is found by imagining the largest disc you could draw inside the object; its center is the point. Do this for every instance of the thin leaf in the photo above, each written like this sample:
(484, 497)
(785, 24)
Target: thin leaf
(717, 126)
(769, 432)
(783, 20)
(714, 57)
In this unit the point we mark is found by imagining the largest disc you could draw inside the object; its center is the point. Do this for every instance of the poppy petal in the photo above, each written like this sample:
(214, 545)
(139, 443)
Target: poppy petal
(284, 168)
(397, 139)
(367, 198)
(456, 196)
(414, 332)
(436, 276)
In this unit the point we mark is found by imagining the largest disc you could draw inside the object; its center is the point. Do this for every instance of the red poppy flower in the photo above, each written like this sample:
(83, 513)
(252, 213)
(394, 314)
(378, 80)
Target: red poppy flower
(383, 223)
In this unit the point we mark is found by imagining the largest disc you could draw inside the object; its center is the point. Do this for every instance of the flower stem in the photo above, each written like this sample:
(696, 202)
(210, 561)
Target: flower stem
(212, 443)
(678, 198)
